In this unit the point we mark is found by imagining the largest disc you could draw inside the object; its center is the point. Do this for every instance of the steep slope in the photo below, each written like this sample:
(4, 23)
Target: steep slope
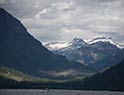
(110, 79)
(86, 52)
(21, 51)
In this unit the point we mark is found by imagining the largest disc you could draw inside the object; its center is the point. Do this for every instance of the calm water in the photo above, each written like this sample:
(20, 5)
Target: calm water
(57, 92)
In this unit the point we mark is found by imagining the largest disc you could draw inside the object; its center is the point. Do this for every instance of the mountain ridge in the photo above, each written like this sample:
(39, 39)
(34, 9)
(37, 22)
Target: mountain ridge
(81, 41)
(87, 53)
(21, 51)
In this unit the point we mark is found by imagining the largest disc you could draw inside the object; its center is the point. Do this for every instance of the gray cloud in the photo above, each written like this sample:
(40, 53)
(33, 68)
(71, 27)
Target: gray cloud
(65, 19)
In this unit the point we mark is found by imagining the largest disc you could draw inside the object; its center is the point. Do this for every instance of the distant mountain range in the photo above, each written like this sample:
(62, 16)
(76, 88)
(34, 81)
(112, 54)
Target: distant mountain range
(86, 52)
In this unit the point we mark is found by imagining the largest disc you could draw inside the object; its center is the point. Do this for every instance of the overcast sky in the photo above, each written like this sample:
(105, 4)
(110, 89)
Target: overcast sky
(65, 19)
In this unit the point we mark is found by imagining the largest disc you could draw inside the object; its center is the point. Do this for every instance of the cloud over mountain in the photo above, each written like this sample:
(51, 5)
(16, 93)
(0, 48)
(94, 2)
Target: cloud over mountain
(62, 19)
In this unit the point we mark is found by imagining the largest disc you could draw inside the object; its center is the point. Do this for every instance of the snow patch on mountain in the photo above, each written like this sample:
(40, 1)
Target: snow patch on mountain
(104, 39)
(56, 45)
(78, 42)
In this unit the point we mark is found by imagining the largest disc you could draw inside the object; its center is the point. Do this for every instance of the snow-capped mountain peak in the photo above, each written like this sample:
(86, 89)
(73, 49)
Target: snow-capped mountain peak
(100, 39)
(78, 41)
(56, 45)
(104, 39)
